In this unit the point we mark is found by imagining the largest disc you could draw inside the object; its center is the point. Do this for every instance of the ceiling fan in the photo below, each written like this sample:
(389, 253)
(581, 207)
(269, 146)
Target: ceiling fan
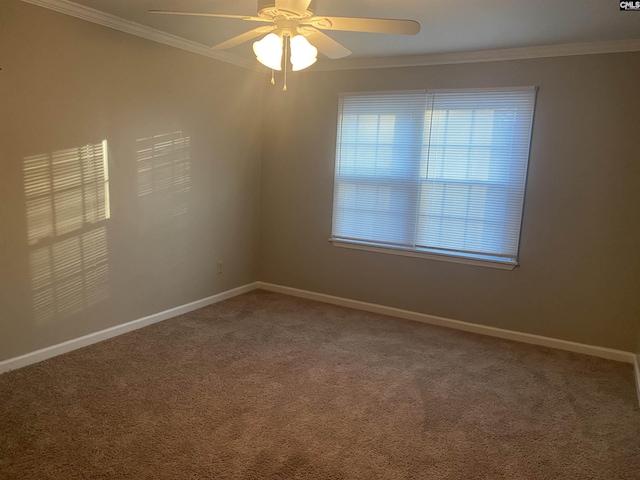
(294, 26)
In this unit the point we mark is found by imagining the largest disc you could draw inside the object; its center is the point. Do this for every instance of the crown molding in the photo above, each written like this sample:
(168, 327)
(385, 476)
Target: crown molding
(497, 55)
(133, 28)
(96, 16)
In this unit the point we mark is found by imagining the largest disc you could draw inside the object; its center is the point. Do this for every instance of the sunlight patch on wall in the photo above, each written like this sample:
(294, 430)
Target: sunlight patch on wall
(164, 176)
(67, 198)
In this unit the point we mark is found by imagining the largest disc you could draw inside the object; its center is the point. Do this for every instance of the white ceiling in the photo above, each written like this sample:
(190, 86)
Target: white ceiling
(447, 25)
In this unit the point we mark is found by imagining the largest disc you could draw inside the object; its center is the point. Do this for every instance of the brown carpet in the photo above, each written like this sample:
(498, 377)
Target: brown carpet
(266, 386)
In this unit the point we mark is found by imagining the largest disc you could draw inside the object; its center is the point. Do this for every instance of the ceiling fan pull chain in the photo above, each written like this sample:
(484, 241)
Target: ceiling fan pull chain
(286, 57)
(273, 79)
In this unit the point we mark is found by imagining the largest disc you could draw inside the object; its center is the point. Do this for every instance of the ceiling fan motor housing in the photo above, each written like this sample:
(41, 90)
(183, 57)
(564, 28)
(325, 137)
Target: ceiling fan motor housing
(267, 8)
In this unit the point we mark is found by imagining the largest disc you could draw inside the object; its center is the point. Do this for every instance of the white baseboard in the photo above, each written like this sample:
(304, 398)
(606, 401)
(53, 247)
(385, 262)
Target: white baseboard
(74, 344)
(602, 352)
(59, 349)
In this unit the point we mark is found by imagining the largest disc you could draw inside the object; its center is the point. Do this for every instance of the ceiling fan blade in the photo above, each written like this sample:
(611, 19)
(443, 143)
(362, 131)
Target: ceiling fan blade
(324, 43)
(218, 15)
(371, 25)
(245, 37)
(298, 7)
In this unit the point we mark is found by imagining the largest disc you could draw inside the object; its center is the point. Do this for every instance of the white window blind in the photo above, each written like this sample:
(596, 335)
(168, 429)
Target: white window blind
(439, 172)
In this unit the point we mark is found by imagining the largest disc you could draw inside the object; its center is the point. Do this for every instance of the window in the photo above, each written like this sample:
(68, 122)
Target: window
(440, 173)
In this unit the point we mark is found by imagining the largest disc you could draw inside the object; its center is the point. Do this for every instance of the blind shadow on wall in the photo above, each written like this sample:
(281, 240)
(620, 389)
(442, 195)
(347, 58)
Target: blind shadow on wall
(68, 207)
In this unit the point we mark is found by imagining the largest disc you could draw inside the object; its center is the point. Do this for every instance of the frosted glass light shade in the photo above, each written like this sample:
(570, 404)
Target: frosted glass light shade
(303, 54)
(269, 51)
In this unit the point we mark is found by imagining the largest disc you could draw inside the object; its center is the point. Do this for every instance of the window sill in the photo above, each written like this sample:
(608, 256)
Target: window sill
(478, 262)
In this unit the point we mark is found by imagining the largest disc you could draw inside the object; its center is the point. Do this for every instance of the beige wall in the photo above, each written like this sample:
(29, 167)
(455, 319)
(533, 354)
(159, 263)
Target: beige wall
(66, 83)
(579, 277)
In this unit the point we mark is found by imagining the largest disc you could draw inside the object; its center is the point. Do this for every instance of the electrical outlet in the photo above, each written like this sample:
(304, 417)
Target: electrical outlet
(219, 268)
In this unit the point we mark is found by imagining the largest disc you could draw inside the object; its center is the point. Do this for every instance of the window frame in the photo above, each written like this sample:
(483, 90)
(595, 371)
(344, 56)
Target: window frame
(436, 253)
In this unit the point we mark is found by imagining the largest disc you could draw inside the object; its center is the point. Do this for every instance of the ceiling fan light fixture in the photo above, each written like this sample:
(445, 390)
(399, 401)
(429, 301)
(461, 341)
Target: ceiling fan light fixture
(269, 51)
(303, 54)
